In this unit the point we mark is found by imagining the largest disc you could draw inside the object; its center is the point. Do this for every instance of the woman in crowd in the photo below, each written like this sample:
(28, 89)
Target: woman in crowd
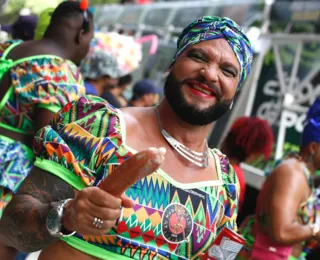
(284, 224)
(248, 139)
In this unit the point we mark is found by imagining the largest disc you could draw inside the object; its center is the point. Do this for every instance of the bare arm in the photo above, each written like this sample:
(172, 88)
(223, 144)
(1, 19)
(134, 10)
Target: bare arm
(24, 220)
(23, 224)
(42, 118)
(286, 194)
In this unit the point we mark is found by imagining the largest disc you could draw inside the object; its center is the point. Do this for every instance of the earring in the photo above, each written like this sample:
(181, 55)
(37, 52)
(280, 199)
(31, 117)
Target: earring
(231, 105)
(310, 157)
(166, 74)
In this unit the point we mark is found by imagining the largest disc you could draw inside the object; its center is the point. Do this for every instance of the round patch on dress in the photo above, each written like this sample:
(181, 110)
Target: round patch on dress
(176, 224)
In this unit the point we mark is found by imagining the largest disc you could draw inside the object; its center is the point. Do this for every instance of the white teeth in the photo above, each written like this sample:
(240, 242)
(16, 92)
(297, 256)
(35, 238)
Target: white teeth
(201, 89)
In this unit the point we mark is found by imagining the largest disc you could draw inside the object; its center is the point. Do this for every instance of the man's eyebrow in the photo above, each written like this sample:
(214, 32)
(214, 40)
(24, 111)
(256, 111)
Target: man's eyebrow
(203, 51)
(198, 50)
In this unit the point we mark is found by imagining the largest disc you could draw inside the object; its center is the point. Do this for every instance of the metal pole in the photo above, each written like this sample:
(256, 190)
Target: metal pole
(255, 79)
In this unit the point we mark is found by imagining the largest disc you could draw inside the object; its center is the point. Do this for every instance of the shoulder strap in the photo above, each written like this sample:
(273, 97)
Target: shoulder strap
(307, 174)
(6, 52)
(224, 170)
(7, 64)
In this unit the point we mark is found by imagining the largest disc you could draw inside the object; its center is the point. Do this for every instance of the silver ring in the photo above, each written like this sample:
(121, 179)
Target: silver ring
(97, 223)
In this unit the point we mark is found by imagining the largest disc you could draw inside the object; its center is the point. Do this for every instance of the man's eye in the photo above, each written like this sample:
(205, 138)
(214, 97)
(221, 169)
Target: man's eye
(229, 72)
(196, 56)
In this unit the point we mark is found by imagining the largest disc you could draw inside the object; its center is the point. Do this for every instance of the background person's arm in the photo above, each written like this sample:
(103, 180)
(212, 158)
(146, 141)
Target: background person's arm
(287, 193)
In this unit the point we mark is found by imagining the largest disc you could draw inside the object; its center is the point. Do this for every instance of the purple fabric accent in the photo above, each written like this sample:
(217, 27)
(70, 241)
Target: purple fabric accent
(196, 234)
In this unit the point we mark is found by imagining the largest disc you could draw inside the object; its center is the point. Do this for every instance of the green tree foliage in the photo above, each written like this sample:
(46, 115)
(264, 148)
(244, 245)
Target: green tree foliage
(99, 2)
(13, 7)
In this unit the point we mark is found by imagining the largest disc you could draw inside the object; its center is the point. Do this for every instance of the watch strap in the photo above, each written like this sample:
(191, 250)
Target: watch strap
(59, 206)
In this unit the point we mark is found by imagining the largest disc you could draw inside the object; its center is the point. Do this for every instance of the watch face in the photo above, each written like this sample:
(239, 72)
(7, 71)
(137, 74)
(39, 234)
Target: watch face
(53, 221)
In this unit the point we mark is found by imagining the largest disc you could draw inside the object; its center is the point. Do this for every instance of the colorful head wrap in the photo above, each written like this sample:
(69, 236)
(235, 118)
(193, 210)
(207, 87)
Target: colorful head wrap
(311, 131)
(212, 27)
(111, 54)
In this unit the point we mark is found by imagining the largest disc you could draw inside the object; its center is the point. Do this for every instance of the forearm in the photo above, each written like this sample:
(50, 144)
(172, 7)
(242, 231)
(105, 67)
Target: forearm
(293, 234)
(23, 225)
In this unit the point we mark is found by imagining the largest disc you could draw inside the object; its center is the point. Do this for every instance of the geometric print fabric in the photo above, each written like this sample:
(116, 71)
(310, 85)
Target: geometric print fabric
(169, 220)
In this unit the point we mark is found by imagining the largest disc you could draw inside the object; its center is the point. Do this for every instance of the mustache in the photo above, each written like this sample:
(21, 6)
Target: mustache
(208, 84)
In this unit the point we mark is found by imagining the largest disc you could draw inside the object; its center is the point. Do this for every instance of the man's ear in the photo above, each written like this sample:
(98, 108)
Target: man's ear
(312, 147)
(80, 36)
(166, 74)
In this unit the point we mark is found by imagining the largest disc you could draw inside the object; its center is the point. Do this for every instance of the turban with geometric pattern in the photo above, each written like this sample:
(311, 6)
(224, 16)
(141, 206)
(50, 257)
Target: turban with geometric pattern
(212, 27)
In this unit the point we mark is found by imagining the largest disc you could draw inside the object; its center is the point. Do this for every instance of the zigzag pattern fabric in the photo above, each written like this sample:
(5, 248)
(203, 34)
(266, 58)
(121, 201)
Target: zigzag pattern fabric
(16, 161)
(50, 82)
(15, 164)
(5, 197)
(212, 27)
(46, 81)
(171, 220)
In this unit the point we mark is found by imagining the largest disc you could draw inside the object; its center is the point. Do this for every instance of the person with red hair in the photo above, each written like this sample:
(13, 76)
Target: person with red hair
(248, 139)
(285, 224)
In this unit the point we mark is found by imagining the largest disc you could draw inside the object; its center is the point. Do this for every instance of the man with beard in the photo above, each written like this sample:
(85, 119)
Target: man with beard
(60, 205)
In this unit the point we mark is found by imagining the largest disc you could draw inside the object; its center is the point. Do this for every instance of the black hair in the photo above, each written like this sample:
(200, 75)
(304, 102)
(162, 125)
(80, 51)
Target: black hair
(127, 79)
(70, 9)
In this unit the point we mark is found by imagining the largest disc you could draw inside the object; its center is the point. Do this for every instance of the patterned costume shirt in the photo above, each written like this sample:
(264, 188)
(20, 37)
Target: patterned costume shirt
(170, 220)
(45, 81)
(42, 81)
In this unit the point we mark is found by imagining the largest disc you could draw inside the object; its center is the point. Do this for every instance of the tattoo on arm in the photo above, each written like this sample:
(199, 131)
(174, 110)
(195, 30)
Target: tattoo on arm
(23, 224)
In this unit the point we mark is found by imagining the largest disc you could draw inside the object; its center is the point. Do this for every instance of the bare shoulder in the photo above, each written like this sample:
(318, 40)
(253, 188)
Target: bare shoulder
(130, 115)
(288, 171)
(136, 117)
(31, 48)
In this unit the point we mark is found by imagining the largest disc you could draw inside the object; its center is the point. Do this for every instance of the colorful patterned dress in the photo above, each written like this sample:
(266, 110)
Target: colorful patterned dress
(305, 215)
(42, 81)
(170, 220)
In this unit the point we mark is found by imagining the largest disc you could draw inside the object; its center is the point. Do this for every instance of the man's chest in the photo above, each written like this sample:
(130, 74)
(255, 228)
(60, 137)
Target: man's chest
(175, 165)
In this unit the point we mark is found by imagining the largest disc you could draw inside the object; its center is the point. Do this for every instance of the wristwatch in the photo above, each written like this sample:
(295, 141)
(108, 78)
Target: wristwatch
(54, 219)
(315, 229)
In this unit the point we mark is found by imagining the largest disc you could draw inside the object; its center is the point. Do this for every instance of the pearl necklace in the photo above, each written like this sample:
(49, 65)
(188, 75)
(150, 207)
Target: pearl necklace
(199, 159)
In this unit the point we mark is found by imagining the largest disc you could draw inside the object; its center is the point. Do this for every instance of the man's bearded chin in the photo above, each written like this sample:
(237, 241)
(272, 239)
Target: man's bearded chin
(187, 112)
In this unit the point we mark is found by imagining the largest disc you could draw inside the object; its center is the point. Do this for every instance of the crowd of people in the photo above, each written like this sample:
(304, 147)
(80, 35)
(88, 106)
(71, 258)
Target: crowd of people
(66, 125)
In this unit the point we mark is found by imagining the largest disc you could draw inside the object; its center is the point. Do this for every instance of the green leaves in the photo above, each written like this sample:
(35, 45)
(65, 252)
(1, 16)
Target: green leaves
(13, 7)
